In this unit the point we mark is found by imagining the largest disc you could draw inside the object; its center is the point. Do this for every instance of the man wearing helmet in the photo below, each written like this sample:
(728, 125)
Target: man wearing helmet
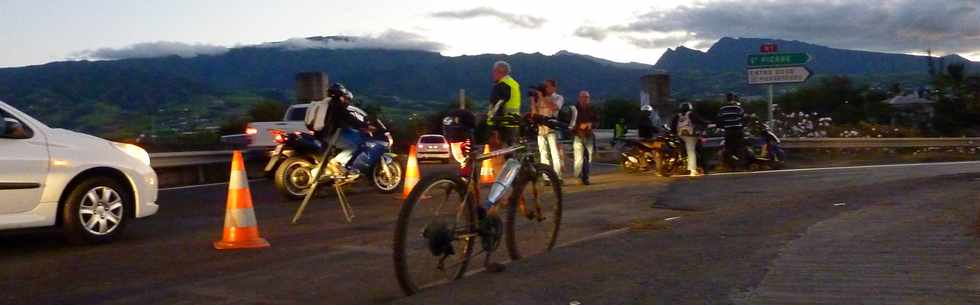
(353, 128)
(645, 125)
(687, 125)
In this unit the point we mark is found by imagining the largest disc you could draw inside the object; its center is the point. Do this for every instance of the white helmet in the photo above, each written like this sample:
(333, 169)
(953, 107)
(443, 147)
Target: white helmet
(646, 108)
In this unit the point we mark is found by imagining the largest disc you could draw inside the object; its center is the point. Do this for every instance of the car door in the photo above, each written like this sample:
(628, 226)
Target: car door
(23, 166)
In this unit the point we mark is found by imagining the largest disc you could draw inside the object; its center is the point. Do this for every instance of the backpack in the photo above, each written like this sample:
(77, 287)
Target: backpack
(316, 115)
(684, 125)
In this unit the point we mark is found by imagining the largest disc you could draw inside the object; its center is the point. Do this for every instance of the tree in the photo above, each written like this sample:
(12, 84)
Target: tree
(267, 111)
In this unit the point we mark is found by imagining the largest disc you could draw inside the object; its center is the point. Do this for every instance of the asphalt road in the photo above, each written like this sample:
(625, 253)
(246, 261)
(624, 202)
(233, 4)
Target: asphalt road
(721, 245)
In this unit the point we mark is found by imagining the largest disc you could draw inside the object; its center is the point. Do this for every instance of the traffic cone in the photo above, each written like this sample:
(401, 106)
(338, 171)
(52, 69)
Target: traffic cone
(486, 169)
(411, 172)
(241, 230)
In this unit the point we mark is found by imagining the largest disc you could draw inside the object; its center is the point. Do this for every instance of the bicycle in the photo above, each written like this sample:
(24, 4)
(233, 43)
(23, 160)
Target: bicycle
(430, 250)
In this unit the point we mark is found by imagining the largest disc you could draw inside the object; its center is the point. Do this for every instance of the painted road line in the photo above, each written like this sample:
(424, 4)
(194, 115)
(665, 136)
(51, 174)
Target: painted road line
(177, 188)
(672, 218)
(605, 234)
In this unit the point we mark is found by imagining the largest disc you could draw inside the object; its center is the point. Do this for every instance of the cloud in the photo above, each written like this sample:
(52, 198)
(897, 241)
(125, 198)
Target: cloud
(884, 25)
(521, 21)
(153, 49)
(591, 32)
(389, 40)
(656, 43)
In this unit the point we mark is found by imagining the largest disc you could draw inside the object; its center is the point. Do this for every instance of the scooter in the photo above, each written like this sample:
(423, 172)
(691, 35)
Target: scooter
(296, 156)
(771, 154)
(764, 151)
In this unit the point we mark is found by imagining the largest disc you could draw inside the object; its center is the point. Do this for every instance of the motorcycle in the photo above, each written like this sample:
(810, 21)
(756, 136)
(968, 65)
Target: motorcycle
(771, 154)
(665, 154)
(295, 158)
(637, 156)
(764, 151)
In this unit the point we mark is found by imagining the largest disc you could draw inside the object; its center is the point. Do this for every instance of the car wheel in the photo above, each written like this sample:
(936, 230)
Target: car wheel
(95, 211)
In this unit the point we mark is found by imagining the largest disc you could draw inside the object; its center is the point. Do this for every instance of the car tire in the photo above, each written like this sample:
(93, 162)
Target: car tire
(90, 209)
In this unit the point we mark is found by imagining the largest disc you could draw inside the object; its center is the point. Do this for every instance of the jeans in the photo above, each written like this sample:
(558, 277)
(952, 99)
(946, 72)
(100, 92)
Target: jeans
(548, 149)
(347, 143)
(584, 149)
(690, 143)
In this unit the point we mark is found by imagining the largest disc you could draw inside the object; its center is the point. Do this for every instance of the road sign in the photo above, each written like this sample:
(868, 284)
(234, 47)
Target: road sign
(769, 48)
(778, 59)
(779, 75)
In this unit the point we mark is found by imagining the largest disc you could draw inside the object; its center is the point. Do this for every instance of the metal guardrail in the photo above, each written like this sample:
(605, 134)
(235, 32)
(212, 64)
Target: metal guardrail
(191, 158)
(167, 160)
(879, 142)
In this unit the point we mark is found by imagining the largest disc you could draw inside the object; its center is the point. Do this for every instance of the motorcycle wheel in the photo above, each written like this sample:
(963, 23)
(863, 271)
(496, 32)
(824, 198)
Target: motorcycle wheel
(293, 178)
(632, 167)
(665, 168)
(389, 184)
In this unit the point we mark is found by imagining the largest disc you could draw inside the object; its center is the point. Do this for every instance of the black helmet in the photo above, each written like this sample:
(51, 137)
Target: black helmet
(685, 107)
(338, 90)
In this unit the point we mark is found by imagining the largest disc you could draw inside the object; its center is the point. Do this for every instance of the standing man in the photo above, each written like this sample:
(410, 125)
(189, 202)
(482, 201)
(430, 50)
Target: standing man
(583, 144)
(687, 125)
(548, 105)
(505, 98)
(731, 118)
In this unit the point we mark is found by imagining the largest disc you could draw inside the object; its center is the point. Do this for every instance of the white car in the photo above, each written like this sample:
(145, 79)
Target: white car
(87, 186)
(433, 147)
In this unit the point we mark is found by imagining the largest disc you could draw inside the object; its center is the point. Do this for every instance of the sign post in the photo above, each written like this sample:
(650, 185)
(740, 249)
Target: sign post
(773, 68)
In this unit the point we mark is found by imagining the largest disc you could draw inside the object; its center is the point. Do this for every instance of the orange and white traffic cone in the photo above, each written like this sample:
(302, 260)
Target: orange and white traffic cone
(486, 169)
(241, 230)
(411, 172)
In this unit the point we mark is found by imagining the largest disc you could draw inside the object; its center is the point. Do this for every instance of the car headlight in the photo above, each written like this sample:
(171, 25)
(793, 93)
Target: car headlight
(134, 151)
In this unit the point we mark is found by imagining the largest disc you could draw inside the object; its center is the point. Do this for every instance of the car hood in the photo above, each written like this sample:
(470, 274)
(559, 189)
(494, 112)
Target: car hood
(71, 139)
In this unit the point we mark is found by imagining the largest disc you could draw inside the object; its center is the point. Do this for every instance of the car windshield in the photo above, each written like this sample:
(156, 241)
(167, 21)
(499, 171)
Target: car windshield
(296, 114)
(432, 140)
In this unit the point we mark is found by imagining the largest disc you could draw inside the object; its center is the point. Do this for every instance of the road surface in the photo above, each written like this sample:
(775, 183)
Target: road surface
(747, 238)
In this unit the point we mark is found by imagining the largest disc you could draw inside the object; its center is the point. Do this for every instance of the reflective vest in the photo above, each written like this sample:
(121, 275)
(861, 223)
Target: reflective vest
(513, 105)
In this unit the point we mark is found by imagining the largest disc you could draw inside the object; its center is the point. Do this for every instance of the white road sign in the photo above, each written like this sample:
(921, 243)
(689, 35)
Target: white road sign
(781, 75)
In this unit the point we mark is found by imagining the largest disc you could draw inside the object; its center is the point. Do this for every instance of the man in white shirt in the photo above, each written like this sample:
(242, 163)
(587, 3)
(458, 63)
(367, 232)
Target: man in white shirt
(548, 105)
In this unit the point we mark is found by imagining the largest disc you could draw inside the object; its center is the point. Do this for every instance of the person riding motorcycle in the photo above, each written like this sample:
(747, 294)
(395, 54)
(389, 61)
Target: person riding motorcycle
(645, 126)
(353, 126)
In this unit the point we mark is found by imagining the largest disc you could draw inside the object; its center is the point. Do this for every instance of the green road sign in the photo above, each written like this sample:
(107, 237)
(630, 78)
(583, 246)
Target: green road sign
(778, 59)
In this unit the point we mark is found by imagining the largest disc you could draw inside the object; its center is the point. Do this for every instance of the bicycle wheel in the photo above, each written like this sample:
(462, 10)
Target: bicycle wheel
(535, 210)
(434, 235)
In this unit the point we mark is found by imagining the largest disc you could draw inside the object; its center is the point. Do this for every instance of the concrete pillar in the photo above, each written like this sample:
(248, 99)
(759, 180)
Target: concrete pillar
(655, 91)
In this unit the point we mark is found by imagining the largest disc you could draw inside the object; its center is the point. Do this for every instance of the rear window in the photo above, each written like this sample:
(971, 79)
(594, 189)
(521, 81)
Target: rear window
(296, 114)
(432, 140)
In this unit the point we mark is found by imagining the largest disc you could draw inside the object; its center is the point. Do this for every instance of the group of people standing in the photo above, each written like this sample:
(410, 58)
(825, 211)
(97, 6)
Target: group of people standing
(689, 126)
(546, 102)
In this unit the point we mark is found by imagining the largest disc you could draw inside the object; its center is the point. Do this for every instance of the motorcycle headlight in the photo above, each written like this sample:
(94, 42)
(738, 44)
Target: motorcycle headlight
(134, 151)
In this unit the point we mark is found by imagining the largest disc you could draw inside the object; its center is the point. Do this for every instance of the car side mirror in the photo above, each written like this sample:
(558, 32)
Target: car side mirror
(13, 129)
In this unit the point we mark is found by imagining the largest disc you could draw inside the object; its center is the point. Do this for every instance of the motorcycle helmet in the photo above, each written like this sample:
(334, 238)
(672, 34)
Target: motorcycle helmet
(338, 90)
(685, 107)
(646, 108)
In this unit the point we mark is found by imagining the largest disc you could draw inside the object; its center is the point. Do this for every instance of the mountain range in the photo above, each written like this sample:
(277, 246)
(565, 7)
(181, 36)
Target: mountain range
(180, 94)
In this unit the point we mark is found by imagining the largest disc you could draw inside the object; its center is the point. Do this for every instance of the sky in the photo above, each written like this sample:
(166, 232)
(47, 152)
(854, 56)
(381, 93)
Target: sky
(36, 32)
